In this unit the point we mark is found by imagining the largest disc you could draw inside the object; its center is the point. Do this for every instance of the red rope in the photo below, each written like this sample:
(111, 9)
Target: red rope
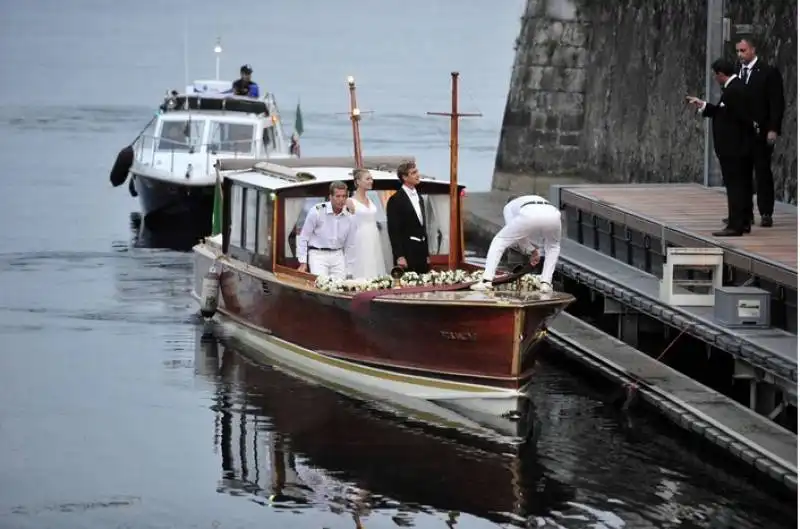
(671, 344)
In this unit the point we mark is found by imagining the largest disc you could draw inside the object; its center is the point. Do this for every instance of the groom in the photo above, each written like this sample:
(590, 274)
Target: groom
(405, 217)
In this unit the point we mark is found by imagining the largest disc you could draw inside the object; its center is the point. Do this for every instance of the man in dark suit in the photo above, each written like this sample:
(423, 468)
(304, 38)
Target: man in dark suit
(764, 87)
(733, 130)
(406, 223)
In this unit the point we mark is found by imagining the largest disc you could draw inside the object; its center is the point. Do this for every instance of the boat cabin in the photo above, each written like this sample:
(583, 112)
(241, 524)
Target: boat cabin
(264, 210)
(197, 128)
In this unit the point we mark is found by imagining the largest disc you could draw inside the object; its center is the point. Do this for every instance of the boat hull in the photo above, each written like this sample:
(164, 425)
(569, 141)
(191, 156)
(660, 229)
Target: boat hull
(483, 346)
(163, 199)
(485, 412)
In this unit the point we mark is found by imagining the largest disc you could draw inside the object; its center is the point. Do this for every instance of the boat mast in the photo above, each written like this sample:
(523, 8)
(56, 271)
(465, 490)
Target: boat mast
(355, 117)
(455, 237)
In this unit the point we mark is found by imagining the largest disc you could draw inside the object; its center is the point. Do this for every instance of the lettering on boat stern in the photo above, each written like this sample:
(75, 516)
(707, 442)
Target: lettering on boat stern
(459, 336)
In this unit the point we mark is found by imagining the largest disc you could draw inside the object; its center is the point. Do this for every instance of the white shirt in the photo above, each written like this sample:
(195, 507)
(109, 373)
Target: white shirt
(542, 238)
(325, 229)
(749, 67)
(414, 196)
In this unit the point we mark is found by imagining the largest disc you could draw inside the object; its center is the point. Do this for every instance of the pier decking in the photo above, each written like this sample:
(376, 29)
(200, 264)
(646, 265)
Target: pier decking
(686, 215)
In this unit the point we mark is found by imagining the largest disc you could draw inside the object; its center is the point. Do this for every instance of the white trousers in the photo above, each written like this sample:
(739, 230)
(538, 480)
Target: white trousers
(537, 222)
(330, 264)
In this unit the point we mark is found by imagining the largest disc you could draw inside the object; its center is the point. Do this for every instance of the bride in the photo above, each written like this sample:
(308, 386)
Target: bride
(369, 261)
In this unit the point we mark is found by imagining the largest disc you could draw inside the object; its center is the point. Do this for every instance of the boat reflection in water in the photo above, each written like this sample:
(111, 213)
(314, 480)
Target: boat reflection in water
(286, 442)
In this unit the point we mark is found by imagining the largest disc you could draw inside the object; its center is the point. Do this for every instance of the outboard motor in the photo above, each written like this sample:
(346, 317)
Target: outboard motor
(209, 293)
(122, 166)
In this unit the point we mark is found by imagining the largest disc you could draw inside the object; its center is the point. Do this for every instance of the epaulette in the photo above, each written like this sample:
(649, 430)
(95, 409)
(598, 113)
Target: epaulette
(321, 205)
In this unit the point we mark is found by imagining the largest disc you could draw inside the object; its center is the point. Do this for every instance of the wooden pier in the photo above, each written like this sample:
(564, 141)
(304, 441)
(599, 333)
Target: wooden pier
(615, 243)
(687, 215)
(636, 223)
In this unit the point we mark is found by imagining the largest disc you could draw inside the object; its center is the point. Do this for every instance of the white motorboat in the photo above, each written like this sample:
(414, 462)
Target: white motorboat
(172, 170)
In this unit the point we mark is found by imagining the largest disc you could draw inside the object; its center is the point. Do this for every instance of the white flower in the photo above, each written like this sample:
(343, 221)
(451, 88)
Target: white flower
(528, 282)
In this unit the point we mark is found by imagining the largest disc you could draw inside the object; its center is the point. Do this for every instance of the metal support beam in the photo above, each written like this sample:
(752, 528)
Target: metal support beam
(714, 50)
(628, 329)
(777, 411)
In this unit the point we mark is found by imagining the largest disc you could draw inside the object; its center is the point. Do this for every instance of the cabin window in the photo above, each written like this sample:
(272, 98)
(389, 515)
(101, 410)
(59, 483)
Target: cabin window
(236, 216)
(437, 215)
(269, 139)
(265, 213)
(294, 216)
(251, 219)
(237, 138)
(181, 135)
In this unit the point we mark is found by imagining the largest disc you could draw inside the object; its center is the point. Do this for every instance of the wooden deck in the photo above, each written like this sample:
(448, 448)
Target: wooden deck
(685, 215)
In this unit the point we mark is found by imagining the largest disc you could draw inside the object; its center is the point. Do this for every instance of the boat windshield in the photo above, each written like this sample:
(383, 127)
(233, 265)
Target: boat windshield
(229, 137)
(181, 135)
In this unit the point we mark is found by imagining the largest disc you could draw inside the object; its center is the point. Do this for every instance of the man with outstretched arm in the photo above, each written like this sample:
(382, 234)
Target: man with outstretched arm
(531, 223)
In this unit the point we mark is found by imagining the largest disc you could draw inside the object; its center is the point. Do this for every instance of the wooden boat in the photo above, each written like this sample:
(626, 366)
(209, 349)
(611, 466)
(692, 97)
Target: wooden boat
(467, 351)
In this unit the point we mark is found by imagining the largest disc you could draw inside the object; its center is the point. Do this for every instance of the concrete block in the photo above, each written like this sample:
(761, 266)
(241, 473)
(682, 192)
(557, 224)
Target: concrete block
(569, 140)
(568, 56)
(543, 137)
(550, 79)
(556, 102)
(555, 31)
(535, 80)
(542, 55)
(571, 123)
(573, 79)
(560, 9)
(538, 120)
(540, 31)
(575, 34)
(501, 181)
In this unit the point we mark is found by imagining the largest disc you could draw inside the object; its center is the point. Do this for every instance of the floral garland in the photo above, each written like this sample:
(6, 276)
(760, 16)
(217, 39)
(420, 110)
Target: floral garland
(528, 282)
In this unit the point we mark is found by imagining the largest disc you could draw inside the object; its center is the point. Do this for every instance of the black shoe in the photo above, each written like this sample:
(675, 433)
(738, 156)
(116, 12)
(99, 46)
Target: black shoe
(746, 229)
(766, 221)
(727, 232)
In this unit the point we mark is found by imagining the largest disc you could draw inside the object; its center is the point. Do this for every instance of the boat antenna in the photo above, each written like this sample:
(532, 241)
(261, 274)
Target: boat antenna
(355, 117)
(455, 236)
(218, 52)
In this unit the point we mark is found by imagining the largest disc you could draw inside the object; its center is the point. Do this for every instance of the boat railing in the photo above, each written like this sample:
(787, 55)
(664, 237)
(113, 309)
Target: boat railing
(377, 162)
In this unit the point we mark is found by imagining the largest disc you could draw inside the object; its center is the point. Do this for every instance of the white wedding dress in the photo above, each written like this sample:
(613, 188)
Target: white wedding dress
(369, 262)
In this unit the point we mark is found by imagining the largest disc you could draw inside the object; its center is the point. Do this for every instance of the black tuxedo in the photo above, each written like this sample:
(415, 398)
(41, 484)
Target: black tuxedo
(733, 131)
(407, 234)
(764, 89)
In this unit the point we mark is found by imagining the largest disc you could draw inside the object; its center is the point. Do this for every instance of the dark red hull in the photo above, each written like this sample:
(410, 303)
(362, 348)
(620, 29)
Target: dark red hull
(468, 342)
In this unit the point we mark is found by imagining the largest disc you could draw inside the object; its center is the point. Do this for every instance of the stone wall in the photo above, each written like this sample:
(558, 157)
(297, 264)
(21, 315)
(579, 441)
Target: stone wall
(597, 88)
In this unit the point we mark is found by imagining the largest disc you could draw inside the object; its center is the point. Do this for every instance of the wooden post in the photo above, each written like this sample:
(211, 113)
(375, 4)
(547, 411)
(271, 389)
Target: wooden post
(455, 237)
(355, 117)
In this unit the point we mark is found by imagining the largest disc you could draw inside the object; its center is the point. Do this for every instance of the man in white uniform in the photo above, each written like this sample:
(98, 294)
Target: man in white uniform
(325, 244)
(531, 223)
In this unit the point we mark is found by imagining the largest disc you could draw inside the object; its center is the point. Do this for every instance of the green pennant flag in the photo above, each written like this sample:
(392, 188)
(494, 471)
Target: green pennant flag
(298, 120)
(216, 219)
